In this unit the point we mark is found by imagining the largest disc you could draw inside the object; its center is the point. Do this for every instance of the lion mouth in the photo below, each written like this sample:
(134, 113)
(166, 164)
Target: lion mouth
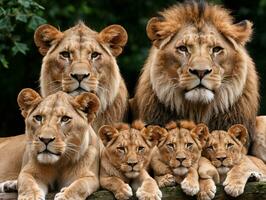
(199, 94)
(199, 86)
(46, 151)
(77, 91)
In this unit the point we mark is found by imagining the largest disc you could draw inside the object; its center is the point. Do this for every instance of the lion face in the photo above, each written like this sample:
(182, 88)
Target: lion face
(226, 149)
(180, 145)
(195, 54)
(57, 126)
(81, 60)
(128, 148)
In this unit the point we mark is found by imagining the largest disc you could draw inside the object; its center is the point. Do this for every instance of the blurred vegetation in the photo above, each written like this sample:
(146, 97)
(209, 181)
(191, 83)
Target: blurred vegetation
(20, 61)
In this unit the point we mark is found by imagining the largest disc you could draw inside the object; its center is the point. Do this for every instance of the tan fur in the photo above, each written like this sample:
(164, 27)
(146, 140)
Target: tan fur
(178, 157)
(258, 147)
(124, 160)
(62, 148)
(73, 53)
(227, 153)
(197, 44)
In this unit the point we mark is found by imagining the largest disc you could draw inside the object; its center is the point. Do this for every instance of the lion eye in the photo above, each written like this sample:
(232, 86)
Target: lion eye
(171, 146)
(140, 149)
(65, 54)
(38, 118)
(217, 49)
(182, 48)
(121, 149)
(229, 145)
(189, 145)
(65, 119)
(95, 55)
(210, 148)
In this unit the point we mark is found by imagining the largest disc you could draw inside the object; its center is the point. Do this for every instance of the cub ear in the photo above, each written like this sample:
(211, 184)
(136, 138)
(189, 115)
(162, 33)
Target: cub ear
(107, 133)
(154, 135)
(88, 103)
(239, 132)
(202, 132)
(44, 37)
(115, 36)
(27, 98)
(158, 30)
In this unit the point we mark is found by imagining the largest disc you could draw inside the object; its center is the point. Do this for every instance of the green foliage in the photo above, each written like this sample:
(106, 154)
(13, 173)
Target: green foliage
(14, 13)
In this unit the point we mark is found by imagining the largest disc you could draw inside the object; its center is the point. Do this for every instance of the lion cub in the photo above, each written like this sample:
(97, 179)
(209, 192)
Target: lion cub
(124, 160)
(227, 153)
(177, 158)
(62, 148)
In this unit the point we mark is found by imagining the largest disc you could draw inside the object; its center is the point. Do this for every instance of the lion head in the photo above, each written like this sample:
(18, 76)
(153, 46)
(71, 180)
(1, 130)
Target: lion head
(180, 145)
(226, 149)
(58, 126)
(128, 148)
(82, 60)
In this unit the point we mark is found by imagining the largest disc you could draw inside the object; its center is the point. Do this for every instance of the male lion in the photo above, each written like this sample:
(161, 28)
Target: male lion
(198, 69)
(124, 160)
(177, 159)
(62, 148)
(227, 153)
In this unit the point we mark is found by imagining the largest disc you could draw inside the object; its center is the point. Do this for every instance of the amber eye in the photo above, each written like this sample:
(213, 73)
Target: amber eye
(210, 148)
(38, 118)
(65, 119)
(189, 145)
(121, 149)
(95, 55)
(171, 146)
(182, 48)
(217, 49)
(140, 149)
(65, 54)
(229, 145)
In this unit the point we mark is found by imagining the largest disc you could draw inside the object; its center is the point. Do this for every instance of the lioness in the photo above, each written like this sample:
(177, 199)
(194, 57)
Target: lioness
(227, 153)
(124, 160)
(198, 69)
(178, 159)
(62, 148)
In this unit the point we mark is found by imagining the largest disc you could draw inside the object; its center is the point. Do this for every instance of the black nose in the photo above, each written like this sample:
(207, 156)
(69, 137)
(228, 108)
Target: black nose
(46, 140)
(79, 77)
(222, 158)
(180, 159)
(132, 164)
(200, 73)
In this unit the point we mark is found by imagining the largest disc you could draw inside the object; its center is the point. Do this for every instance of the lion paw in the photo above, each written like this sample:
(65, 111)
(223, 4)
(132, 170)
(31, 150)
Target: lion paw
(8, 186)
(234, 189)
(27, 196)
(255, 176)
(166, 180)
(191, 188)
(142, 194)
(207, 190)
(125, 192)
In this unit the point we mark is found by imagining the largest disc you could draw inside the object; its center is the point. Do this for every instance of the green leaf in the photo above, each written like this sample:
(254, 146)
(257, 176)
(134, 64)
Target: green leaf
(36, 21)
(24, 3)
(22, 18)
(19, 47)
(4, 61)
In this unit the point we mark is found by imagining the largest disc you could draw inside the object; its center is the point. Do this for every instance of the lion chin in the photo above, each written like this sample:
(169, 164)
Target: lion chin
(47, 158)
(180, 171)
(199, 95)
(223, 170)
(132, 174)
(78, 91)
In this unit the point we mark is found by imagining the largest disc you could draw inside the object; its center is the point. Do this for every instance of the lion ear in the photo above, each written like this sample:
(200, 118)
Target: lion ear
(88, 103)
(202, 132)
(158, 30)
(27, 98)
(239, 132)
(115, 36)
(107, 133)
(44, 37)
(154, 135)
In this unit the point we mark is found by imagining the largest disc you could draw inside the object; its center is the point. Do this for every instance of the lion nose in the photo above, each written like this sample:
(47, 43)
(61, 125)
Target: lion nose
(46, 140)
(80, 77)
(221, 158)
(200, 73)
(132, 163)
(180, 159)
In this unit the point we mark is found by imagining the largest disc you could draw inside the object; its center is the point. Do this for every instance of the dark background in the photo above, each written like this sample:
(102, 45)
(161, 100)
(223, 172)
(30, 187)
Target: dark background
(20, 61)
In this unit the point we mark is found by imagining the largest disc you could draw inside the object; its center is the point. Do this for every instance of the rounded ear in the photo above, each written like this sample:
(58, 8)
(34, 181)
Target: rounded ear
(202, 132)
(239, 132)
(154, 135)
(158, 29)
(88, 103)
(44, 37)
(107, 133)
(27, 98)
(115, 36)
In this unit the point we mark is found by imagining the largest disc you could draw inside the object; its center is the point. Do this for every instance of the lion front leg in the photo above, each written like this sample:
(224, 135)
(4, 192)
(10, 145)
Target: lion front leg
(79, 189)
(165, 180)
(190, 184)
(207, 189)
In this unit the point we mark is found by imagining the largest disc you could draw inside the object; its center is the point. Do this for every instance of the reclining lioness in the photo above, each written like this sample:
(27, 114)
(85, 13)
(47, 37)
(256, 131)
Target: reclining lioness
(227, 153)
(124, 160)
(62, 148)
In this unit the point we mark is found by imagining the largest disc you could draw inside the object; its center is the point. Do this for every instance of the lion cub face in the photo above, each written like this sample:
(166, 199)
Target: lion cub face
(128, 148)
(181, 144)
(56, 126)
(226, 149)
